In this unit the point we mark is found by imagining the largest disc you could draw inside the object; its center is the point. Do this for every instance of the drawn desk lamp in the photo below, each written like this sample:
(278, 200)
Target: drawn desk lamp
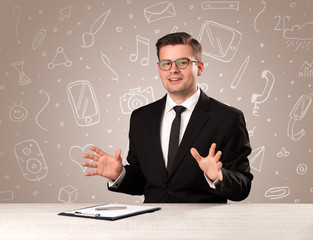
(297, 113)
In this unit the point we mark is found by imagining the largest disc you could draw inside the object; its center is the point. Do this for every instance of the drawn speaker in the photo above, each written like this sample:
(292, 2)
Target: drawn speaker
(31, 160)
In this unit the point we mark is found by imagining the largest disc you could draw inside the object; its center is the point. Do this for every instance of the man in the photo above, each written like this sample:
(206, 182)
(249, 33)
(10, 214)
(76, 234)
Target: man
(196, 172)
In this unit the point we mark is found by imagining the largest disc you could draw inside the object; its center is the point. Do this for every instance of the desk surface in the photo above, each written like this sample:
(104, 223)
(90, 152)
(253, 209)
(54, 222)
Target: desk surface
(173, 221)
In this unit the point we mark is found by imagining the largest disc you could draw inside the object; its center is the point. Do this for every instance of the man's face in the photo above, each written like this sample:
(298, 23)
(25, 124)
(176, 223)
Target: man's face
(180, 83)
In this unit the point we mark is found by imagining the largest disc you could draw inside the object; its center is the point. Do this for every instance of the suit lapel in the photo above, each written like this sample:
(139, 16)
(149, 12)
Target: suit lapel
(199, 117)
(156, 117)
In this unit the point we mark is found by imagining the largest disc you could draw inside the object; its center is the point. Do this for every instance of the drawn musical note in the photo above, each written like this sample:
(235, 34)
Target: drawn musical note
(144, 42)
(107, 63)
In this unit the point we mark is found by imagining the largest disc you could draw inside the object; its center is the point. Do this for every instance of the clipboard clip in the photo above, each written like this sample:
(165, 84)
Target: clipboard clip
(87, 214)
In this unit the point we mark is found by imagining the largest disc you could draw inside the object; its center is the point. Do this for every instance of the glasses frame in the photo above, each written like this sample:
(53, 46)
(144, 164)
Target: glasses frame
(188, 59)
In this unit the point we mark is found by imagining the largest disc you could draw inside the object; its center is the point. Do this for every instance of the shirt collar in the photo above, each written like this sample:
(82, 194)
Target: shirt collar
(189, 104)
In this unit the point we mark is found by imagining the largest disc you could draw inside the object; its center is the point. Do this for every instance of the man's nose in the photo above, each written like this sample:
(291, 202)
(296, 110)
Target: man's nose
(174, 68)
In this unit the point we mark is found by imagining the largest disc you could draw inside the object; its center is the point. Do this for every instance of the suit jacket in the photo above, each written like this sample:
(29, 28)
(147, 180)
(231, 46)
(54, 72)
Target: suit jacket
(210, 122)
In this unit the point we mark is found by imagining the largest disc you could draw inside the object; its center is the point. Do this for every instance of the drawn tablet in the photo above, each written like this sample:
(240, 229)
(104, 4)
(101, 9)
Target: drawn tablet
(219, 41)
(84, 103)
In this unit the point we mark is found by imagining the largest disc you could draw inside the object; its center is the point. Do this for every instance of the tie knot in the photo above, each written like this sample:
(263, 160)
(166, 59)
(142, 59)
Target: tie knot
(179, 109)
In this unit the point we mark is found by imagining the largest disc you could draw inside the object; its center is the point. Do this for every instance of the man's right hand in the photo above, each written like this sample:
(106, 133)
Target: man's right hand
(105, 165)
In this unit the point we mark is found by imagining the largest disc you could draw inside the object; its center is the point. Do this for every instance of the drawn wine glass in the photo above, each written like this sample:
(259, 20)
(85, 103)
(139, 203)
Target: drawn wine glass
(19, 66)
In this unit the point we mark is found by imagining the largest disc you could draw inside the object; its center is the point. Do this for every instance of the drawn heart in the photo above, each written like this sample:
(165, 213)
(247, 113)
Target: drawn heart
(76, 153)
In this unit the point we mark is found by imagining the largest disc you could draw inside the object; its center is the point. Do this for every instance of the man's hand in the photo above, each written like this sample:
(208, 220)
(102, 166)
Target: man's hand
(210, 165)
(105, 165)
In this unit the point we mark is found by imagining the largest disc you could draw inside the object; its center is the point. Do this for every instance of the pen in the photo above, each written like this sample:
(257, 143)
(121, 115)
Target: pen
(240, 72)
(110, 208)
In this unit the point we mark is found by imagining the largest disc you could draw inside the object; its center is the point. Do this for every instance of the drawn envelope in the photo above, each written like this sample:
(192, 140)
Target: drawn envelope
(159, 11)
(219, 41)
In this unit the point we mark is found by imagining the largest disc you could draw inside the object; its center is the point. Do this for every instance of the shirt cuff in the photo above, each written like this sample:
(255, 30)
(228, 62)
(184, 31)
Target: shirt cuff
(117, 182)
(212, 184)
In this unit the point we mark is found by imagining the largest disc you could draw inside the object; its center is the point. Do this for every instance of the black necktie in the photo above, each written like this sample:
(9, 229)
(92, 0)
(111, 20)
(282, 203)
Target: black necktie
(174, 137)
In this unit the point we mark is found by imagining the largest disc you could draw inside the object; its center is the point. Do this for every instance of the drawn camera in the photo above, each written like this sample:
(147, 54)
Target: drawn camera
(30, 160)
(135, 99)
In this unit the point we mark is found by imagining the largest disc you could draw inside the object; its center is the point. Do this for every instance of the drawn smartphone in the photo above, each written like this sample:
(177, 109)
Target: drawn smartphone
(84, 103)
(219, 41)
(31, 160)
(260, 98)
(301, 107)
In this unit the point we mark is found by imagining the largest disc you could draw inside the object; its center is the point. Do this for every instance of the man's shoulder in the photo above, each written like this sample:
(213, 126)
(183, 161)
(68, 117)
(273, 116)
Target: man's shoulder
(150, 107)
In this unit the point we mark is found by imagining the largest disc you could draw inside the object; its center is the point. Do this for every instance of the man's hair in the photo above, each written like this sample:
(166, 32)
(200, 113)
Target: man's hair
(180, 38)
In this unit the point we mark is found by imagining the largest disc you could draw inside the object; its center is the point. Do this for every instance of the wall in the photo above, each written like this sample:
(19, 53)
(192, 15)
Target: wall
(72, 72)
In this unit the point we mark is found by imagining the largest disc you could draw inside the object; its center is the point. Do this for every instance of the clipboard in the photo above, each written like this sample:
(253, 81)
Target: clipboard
(110, 211)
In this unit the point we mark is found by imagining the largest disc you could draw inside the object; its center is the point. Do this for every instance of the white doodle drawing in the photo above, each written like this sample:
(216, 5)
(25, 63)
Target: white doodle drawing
(283, 153)
(68, 194)
(18, 10)
(302, 169)
(38, 39)
(6, 195)
(159, 11)
(65, 12)
(256, 98)
(306, 70)
(31, 160)
(297, 113)
(174, 29)
(240, 73)
(84, 103)
(251, 132)
(277, 192)
(48, 96)
(299, 37)
(76, 153)
(136, 98)
(142, 48)
(258, 15)
(219, 41)
(281, 22)
(220, 5)
(256, 158)
(19, 66)
(203, 86)
(18, 113)
(89, 37)
(60, 59)
(107, 63)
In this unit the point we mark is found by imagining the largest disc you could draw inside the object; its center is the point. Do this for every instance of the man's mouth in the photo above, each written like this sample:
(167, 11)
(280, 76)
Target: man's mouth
(173, 79)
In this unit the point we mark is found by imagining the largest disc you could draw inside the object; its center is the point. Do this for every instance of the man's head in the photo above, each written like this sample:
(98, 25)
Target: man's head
(179, 65)
(180, 38)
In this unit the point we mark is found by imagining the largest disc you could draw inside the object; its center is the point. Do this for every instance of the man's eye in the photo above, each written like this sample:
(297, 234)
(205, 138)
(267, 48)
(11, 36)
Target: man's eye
(182, 61)
(165, 63)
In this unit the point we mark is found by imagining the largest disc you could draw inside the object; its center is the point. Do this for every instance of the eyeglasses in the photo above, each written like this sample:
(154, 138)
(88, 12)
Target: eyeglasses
(181, 63)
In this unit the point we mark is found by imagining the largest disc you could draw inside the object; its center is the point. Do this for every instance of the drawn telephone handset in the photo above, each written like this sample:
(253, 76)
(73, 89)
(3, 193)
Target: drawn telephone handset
(256, 98)
(297, 113)
(84, 103)
(31, 160)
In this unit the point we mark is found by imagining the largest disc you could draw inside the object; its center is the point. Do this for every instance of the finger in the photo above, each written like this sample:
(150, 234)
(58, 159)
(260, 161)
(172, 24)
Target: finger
(92, 173)
(118, 154)
(212, 150)
(195, 154)
(97, 150)
(219, 165)
(218, 156)
(91, 156)
(89, 164)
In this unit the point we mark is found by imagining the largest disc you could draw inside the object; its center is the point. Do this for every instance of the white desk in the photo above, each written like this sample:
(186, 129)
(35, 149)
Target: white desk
(173, 221)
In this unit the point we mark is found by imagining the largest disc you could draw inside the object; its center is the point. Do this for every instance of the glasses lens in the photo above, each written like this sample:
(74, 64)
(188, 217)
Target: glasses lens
(165, 64)
(182, 62)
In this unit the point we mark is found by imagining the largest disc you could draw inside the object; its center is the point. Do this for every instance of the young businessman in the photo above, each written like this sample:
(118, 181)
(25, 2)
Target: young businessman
(194, 153)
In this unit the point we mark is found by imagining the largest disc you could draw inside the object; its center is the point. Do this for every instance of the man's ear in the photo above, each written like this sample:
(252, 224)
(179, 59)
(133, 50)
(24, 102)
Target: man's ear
(200, 68)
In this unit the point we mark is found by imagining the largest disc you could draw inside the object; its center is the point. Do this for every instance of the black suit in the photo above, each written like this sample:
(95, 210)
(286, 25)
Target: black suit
(210, 122)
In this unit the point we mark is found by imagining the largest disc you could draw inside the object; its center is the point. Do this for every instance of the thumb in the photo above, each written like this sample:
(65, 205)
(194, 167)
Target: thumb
(118, 154)
(195, 154)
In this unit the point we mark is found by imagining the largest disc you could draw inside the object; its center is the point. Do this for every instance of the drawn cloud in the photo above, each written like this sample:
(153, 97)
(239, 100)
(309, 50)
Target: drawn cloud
(304, 32)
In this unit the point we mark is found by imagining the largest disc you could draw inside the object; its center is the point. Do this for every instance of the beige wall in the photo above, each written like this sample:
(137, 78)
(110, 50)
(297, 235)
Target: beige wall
(57, 54)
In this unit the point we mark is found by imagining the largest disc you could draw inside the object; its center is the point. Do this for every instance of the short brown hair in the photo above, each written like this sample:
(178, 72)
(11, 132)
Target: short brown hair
(180, 38)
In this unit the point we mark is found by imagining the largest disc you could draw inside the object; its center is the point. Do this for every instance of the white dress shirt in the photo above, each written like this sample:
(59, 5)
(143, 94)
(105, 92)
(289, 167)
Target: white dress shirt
(166, 124)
